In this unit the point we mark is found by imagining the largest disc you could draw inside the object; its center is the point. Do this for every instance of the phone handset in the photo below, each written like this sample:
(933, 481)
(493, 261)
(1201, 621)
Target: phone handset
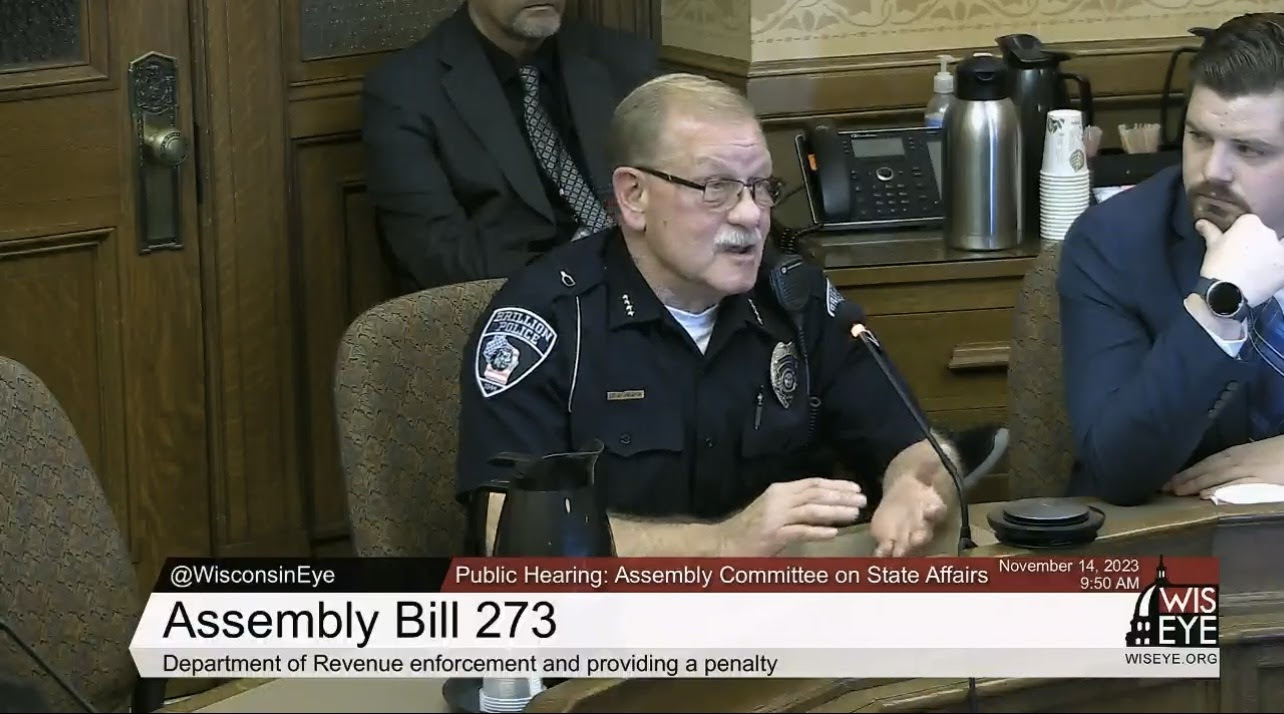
(828, 162)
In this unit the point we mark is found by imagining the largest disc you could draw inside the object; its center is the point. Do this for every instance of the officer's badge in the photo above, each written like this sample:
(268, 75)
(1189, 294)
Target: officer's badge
(513, 343)
(833, 298)
(784, 372)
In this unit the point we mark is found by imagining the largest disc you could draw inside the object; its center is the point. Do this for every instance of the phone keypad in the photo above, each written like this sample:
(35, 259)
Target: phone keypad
(894, 187)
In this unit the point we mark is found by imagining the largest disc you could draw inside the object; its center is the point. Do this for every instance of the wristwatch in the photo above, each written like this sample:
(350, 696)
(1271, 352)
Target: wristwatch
(1223, 298)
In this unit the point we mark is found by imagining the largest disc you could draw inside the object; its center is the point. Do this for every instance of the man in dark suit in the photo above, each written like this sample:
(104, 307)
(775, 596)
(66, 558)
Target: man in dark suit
(1170, 295)
(486, 140)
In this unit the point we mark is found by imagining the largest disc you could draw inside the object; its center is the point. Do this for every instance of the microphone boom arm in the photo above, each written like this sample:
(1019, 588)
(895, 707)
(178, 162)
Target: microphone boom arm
(861, 333)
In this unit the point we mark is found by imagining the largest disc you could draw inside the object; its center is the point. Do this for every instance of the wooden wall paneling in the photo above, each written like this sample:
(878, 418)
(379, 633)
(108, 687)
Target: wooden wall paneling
(258, 491)
(113, 332)
(334, 40)
(1255, 674)
(338, 268)
(641, 17)
(59, 299)
(345, 275)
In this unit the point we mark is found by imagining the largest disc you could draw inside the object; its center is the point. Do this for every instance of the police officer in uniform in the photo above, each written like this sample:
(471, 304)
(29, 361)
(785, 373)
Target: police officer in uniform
(666, 340)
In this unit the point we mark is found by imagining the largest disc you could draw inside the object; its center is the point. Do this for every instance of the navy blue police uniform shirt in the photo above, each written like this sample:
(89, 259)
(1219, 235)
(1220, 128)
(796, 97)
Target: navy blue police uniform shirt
(578, 347)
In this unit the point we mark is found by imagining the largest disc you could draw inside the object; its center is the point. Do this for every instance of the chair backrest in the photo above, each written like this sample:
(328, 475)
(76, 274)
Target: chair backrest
(67, 584)
(397, 404)
(1041, 452)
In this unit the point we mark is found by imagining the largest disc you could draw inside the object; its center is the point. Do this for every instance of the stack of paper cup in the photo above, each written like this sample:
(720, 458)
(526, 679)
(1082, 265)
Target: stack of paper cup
(508, 694)
(1064, 182)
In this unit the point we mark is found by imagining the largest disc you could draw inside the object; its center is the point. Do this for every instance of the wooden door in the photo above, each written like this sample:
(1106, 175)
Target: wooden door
(100, 273)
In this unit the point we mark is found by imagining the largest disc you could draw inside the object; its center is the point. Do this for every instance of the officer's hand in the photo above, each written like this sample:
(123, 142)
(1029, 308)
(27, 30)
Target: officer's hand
(906, 518)
(1248, 254)
(808, 510)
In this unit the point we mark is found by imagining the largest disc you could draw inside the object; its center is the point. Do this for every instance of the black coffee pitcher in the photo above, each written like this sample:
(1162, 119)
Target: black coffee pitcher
(1037, 86)
(1037, 80)
(550, 507)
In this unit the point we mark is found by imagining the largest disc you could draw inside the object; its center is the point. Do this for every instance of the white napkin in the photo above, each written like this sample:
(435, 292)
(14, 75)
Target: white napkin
(1246, 493)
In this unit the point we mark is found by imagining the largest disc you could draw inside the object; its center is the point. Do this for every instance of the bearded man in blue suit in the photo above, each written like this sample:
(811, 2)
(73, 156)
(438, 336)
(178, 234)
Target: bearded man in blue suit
(1170, 293)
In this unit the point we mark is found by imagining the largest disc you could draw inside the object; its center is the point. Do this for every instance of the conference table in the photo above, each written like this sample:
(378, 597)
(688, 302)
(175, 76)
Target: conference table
(1249, 539)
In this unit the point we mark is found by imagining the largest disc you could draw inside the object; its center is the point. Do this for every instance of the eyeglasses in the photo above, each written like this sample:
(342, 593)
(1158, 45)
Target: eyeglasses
(721, 193)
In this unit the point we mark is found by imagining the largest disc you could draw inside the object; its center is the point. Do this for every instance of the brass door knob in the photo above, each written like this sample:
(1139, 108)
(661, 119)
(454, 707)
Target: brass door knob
(167, 147)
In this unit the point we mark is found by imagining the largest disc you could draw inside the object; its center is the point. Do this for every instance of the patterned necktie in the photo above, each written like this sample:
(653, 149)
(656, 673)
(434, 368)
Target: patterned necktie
(1266, 334)
(555, 160)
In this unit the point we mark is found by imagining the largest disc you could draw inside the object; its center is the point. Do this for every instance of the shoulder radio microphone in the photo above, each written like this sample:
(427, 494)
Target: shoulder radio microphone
(63, 683)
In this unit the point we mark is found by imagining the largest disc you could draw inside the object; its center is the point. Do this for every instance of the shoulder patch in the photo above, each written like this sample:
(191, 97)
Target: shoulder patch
(513, 343)
(833, 298)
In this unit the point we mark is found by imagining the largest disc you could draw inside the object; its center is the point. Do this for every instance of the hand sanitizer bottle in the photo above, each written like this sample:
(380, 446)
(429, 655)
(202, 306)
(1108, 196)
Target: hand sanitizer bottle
(942, 94)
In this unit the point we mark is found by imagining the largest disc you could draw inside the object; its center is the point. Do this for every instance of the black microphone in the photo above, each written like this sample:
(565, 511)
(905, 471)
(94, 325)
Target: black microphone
(66, 687)
(848, 314)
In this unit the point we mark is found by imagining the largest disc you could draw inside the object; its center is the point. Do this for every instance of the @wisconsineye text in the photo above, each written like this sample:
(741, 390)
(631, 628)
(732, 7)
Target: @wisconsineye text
(302, 574)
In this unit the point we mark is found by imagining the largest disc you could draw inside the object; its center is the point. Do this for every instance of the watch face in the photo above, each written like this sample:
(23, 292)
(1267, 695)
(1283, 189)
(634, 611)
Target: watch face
(1224, 298)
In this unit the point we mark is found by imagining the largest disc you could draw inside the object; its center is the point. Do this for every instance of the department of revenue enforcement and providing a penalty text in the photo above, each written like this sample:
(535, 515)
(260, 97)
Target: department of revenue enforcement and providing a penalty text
(233, 666)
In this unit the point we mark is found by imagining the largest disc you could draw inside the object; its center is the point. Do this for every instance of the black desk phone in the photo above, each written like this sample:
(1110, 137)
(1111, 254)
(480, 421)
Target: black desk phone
(875, 179)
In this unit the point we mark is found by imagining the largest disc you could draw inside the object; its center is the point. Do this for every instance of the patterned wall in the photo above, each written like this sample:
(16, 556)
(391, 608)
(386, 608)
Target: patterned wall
(765, 30)
(718, 27)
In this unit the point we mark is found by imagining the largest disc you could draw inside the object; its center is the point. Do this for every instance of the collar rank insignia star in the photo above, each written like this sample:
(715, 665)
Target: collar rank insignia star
(784, 372)
(513, 343)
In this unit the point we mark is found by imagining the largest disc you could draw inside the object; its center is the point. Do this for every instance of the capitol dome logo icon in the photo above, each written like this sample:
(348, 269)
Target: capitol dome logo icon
(1173, 615)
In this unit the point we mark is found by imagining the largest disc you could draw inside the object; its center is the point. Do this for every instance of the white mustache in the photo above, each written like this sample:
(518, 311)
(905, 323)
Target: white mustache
(733, 237)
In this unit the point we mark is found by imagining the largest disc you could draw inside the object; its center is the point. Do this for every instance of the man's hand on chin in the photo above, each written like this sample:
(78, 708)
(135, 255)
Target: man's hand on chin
(1254, 462)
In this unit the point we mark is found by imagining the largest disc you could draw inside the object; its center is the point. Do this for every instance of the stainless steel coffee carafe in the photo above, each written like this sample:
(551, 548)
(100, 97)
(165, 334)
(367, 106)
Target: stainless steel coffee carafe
(983, 189)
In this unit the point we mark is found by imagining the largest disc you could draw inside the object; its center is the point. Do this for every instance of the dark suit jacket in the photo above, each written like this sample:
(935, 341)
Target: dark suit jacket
(1148, 390)
(455, 186)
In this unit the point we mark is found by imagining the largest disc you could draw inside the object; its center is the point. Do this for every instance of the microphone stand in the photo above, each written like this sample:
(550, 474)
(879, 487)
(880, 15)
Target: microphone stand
(66, 687)
(965, 541)
(965, 528)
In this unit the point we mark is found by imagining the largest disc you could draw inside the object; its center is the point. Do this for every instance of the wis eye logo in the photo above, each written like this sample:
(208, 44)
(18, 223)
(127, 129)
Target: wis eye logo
(1169, 615)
